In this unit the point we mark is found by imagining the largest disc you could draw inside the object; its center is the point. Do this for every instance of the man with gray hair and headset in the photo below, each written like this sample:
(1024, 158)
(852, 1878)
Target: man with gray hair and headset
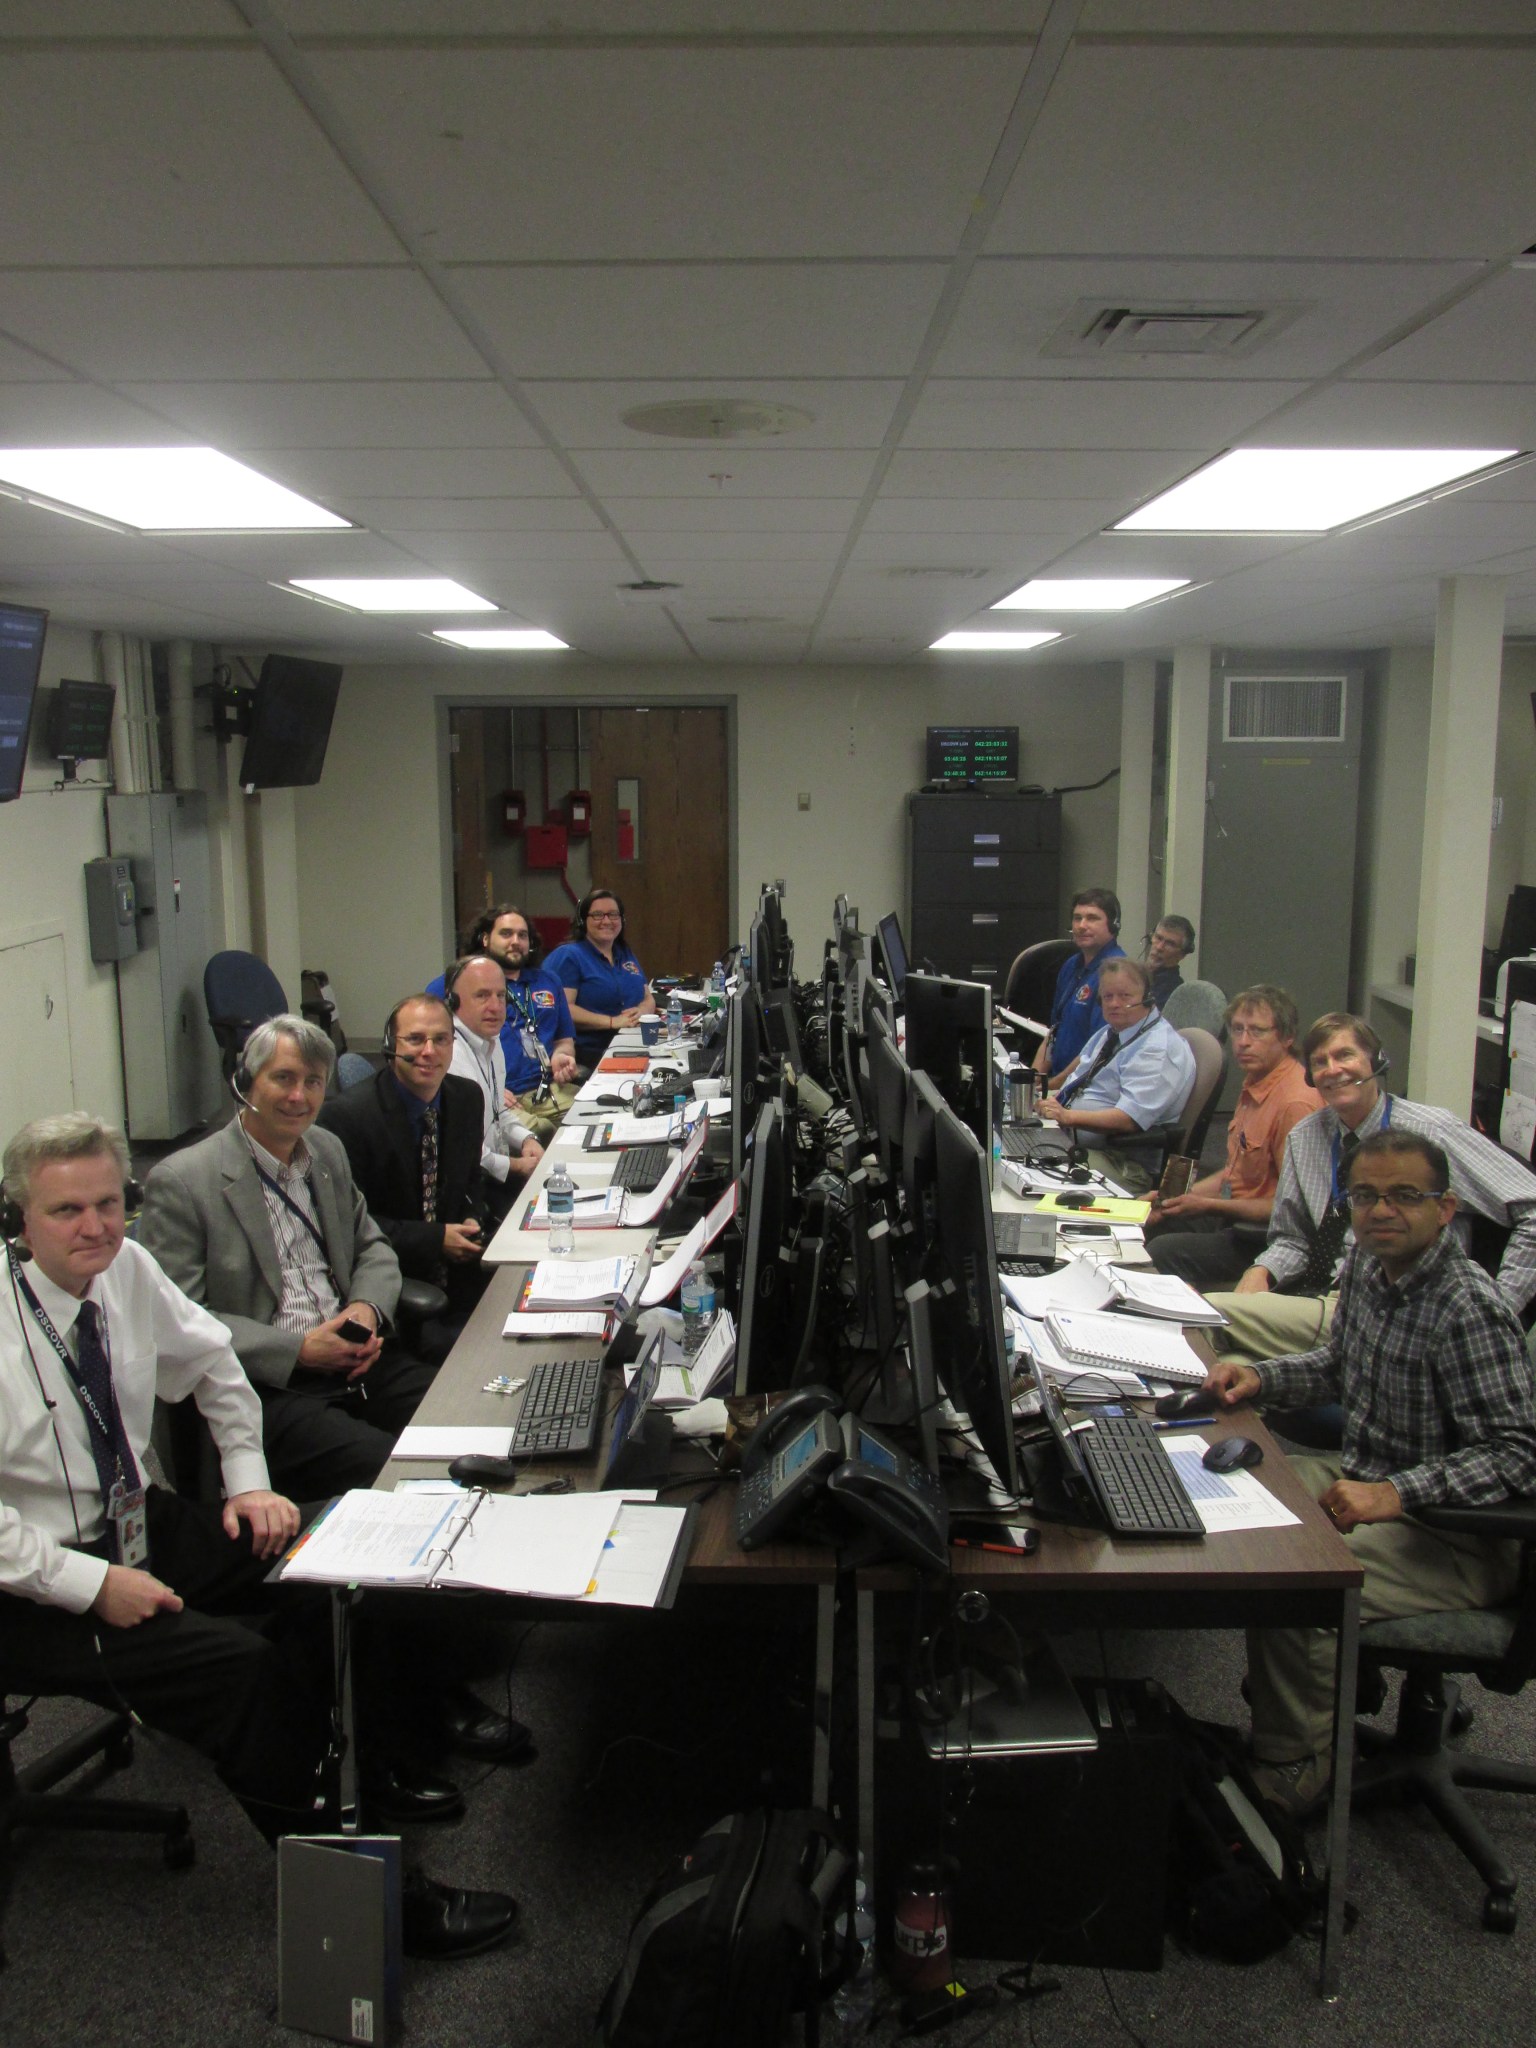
(126, 1594)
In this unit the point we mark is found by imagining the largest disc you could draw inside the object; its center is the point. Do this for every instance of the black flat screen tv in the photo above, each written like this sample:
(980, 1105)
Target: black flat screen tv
(291, 712)
(80, 721)
(22, 627)
(973, 753)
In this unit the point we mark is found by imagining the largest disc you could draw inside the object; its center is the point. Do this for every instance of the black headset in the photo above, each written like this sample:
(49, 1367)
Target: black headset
(1111, 909)
(583, 908)
(387, 1046)
(450, 979)
(1381, 1066)
(13, 1223)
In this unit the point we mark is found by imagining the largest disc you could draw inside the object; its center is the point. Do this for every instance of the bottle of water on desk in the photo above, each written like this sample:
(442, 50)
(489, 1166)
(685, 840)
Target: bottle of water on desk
(674, 1016)
(560, 1199)
(717, 986)
(698, 1299)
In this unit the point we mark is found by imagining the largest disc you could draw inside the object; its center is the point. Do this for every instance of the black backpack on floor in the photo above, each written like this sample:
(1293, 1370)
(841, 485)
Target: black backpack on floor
(738, 1934)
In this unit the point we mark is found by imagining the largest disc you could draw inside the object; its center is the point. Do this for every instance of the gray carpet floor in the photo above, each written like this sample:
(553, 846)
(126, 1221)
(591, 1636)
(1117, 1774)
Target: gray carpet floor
(649, 1727)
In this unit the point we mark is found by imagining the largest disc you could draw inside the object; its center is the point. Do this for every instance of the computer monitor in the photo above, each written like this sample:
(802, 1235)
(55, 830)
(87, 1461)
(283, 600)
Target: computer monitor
(949, 1035)
(889, 1080)
(290, 724)
(919, 1161)
(22, 628)
(764, 1355)
(970, 1345)
(893, 956)
(745, 1039)
(781, 951)
(760, 954)
(782, 1023)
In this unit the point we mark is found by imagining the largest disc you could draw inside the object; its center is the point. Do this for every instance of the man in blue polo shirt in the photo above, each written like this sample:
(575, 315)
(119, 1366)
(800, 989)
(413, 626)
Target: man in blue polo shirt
(538, 1038)
(1075, 1011)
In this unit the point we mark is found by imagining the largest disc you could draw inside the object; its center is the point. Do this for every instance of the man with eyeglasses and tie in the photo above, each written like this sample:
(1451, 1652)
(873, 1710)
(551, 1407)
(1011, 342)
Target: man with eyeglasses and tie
(1132, 1074)
(1284, 1301)
(1429, 1362)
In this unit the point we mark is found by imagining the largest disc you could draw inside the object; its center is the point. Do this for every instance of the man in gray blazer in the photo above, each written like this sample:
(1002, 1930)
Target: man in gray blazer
(263, 1225)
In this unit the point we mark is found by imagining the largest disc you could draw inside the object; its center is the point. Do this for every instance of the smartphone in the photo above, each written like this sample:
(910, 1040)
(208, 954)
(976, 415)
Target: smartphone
(354, 1331)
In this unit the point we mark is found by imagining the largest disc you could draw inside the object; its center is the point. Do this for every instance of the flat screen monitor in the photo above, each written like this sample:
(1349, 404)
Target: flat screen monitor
(781, 952)
(783, 1026)
(80, 721)
(764, 1354)
(745, 1040)
(290, 729)
(973, 753)
(888, 1083)
(949, 1035)
(919, 1163)
(970, 1347)
(1517, 940)
(22, 627)
(893, 956)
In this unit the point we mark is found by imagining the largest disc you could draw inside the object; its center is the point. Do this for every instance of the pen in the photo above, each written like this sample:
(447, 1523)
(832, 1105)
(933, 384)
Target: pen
(997, 1549)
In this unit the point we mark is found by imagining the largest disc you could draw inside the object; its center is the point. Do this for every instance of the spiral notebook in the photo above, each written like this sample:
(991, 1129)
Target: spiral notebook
(1140, 1344)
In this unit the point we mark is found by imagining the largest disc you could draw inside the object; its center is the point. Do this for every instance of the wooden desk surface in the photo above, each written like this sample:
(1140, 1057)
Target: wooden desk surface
(458, 1395)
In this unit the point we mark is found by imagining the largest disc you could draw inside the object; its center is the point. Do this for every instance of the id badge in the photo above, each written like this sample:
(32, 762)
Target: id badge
(530, 1039)
(130, 1526)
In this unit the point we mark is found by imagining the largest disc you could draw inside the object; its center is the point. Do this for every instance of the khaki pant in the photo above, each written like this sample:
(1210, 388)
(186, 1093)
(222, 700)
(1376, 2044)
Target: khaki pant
(1408, 1570)
(1271, 1325)
(543, 1118)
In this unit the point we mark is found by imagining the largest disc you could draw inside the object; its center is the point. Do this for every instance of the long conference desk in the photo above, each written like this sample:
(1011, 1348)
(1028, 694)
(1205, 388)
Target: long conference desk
(1302, 1574)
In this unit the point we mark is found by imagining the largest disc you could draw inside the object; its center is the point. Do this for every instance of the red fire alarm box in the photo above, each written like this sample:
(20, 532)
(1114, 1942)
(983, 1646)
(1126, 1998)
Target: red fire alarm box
(578, 814)
(545, 846)
(514, 812)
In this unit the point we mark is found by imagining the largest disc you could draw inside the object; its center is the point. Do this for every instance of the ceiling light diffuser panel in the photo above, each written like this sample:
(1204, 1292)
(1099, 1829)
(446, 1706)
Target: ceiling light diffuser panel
(1305, 490)
(394, 593)
(991, 643)
(162, 490)
(1088, 593)
(501, 639)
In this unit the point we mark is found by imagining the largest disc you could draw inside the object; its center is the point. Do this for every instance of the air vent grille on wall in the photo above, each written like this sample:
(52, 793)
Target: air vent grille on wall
(1285, 707)
(1170, 328)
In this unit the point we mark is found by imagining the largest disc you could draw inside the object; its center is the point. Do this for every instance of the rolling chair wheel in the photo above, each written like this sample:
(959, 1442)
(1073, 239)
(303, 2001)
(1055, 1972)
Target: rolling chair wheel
(1500, 1913)
(180, 1852)
(1462, 1717)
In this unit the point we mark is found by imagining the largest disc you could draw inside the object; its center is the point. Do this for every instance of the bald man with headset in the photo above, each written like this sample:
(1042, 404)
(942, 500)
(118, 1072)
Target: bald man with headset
(1284, 1302)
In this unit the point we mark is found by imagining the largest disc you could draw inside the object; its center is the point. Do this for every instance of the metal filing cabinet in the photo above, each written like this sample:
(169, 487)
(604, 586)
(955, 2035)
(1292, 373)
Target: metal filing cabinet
(983, 880)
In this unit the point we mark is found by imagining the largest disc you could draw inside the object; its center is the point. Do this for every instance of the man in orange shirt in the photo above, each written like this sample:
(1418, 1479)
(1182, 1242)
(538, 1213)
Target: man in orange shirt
(1208, 1236)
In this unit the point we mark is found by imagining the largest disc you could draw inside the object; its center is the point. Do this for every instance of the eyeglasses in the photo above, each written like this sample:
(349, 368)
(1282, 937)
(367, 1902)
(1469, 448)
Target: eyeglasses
(1403, 1200)
(1251, 1030)
(418, 1040)
(605, 917)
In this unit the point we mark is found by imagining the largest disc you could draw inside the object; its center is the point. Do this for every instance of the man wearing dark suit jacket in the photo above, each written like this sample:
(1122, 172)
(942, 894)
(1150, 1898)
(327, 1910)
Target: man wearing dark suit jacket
(412, 1134)
(262, 1224)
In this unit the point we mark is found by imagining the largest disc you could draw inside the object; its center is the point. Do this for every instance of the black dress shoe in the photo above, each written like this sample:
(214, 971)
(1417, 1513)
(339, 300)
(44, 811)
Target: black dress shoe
(403, 1795)
(474, 1729)
(440, 1921)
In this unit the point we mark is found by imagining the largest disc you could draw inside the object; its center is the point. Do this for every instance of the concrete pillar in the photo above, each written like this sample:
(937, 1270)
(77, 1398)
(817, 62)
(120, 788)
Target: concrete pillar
(1458, 808)
(1138, 692)
(178, 657)
(272, 855)
(1189, 727)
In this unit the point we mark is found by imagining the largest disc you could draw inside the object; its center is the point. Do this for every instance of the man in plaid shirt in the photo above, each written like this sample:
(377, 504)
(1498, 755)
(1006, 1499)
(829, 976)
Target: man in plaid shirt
(1439, 1398)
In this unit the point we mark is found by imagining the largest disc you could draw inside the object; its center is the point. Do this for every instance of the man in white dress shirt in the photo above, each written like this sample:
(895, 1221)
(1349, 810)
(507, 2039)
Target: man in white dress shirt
(477, 996)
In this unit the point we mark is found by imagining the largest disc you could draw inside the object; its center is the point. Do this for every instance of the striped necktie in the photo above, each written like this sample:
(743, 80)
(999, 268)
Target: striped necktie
(429, 1167)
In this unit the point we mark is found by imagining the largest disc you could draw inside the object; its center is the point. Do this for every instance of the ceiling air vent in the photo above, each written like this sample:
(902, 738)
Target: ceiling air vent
(1156, 327)
(938, 575)
(1285, 708)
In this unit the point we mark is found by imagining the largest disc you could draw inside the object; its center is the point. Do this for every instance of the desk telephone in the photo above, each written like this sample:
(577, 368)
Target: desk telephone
(806, 1454)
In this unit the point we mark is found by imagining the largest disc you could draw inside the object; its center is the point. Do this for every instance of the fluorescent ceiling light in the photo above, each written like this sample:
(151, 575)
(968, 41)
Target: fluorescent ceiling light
(1088, 593)
(1305, 490)
(394, 593)
(991, 643)
(500, 639)
(161, 490)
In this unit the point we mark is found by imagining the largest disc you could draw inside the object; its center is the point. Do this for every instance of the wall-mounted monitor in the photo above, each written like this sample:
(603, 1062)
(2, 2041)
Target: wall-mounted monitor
(973, 753)
(22, 628)
(79, 724)
(290, 723)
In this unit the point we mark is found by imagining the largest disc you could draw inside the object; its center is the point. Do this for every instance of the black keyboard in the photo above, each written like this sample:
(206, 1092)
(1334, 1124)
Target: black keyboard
(641, 1166)
(1133, 1476)
(1024, 1269)
(1019, 1141)
(562, 1407)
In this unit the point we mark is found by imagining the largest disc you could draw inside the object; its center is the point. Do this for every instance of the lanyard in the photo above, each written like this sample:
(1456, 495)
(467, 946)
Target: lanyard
(95, 1420)
(288, 1202)
(1338, 1139)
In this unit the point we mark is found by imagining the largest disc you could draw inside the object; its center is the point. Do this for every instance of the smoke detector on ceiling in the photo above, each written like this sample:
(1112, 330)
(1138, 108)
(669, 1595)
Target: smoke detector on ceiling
(717, 419)
(645, 591)
(1171, 327)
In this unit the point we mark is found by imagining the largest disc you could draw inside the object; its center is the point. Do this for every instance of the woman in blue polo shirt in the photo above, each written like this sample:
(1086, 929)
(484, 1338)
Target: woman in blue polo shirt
(604, 983)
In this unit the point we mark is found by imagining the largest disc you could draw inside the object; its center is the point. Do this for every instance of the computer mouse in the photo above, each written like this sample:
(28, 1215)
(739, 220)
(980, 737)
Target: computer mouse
(1184, 1407)
(478, 1468)
(1232, 1454)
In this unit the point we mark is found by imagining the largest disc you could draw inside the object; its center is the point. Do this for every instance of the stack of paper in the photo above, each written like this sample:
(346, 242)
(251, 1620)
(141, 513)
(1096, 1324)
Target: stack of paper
(1132, 1342)
(570, 1283)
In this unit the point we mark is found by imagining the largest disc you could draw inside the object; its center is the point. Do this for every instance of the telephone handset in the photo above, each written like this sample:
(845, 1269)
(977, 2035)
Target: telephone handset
(804, 1451)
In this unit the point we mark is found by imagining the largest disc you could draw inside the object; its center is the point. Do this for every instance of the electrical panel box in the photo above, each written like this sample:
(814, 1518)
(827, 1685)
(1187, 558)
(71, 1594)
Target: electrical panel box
(111, 907)
(545, 846)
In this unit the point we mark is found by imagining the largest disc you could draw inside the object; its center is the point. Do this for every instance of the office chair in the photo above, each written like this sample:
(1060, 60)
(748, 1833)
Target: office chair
(1185, 1136)
(1031, 983)
(352, 1067)
(240, 992)
(1495, 1645)
(28, 1800)
(1199, 1003)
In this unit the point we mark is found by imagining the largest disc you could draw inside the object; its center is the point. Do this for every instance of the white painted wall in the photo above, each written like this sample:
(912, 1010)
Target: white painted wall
(44, 841)
(370, 837)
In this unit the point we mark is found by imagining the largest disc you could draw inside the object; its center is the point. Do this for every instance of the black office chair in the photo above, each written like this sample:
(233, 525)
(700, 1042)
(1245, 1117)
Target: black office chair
(240, 992)
(1495, 1645)
(28, 1798)
(1031, 985)
(1185, 1136)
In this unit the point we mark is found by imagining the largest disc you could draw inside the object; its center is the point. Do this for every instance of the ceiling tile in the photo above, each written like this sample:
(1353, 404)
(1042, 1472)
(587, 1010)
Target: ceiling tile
(1121, 476)
(845, 414)
(728, 471)
(166, 326)
(1056, 412)
(423, 19)
(407, 516)
(1486, 336)
(734, 515)
(340, 474)
(66, 415)
(382, 413)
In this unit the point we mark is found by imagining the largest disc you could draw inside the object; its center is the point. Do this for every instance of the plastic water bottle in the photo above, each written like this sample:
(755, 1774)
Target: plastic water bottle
(560, 1198)
(698, 1306)
(854, 2005)
(716, 986)
(674, 1016)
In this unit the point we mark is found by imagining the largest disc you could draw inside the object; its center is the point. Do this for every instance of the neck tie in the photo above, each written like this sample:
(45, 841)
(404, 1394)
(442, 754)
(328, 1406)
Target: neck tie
(1328, 1237)
(1102, 1058)
(429, 1167)
(109, 1440)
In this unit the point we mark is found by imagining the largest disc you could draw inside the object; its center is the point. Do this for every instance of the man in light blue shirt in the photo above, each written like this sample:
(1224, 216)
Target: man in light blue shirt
(1133, 1074)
